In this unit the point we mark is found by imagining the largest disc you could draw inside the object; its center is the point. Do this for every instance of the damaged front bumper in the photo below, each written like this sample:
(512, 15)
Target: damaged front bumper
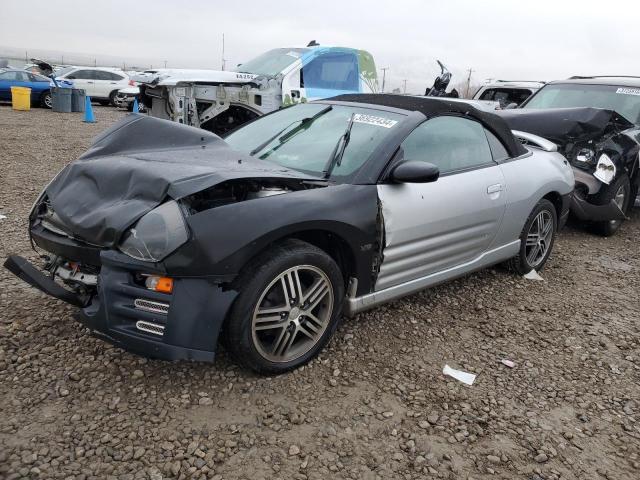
(586, 211)
(182, 325)
(587, 185)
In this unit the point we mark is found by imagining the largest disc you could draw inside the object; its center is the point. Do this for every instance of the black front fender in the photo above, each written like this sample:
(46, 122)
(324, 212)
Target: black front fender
(225, 238)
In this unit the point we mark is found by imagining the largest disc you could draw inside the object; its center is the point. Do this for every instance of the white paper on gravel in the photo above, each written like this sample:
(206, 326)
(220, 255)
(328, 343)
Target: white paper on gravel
(464, 377)
(533, 275)
(2, 217)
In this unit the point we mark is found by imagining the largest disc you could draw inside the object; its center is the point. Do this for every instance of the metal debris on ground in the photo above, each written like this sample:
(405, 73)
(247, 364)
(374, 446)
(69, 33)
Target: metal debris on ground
(464, 377)
(533, 275)
(508, 363)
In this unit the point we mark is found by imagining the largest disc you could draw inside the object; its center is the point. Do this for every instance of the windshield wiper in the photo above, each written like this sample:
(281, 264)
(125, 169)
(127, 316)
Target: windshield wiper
(335, 159)
(304, 123)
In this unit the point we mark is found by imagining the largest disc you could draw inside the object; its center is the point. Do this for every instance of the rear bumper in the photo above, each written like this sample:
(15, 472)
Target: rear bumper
(186, 322)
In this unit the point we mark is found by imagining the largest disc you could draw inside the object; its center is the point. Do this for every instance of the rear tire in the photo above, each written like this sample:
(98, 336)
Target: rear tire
(537, 239)
(289, 306)
(621, 192)
(112, 98)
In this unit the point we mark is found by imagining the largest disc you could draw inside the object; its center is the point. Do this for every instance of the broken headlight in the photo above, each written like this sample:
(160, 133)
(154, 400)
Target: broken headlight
(156, 234)
(605, 170)
(586, 155)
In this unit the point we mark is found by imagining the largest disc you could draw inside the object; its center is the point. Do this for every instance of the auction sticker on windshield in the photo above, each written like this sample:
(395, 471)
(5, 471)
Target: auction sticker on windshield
(374, 120)
(628, 91)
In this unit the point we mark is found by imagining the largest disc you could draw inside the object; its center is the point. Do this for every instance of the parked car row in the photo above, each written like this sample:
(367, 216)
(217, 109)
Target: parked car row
(100, 83)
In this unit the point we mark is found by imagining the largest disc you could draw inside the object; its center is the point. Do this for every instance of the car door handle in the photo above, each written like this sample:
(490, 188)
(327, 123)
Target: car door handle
(89, 82)
(494, 188)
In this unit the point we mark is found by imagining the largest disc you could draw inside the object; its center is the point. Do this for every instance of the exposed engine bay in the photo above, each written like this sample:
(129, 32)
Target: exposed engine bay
(235, 191)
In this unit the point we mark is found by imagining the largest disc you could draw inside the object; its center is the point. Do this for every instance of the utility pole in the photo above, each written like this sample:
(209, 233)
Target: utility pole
(468, 82)
(223, 60)
(404, 89)
(95, 62)
(26, 57)
(165, 64)
(384, 76)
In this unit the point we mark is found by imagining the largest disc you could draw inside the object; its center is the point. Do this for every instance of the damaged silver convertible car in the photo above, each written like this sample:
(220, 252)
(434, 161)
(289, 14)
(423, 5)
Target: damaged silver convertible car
(167, 236)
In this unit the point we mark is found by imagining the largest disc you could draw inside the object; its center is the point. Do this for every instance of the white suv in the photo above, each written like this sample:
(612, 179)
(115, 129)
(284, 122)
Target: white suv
(507, 92)
(101, 84)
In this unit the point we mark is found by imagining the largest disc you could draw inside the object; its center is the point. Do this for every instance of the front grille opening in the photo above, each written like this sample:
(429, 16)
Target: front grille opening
(151, 306)
(150, 327)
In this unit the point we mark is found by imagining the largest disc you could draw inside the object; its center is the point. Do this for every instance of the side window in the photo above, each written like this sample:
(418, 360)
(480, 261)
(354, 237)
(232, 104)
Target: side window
(82, 75)
(115, 76)
(497, 148)
(332, 71)
(9, 76)
(451, 143)
(487, 94)
(101, 75)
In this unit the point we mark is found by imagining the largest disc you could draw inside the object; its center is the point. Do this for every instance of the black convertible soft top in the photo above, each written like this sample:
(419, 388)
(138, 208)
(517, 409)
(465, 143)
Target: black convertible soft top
(431, 107)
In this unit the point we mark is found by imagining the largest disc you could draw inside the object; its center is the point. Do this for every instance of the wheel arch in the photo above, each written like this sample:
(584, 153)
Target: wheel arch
(556, 199)
(326, 239)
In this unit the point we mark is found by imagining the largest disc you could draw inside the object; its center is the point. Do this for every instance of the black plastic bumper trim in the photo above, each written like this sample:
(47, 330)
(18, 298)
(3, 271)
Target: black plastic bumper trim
(595, 213)
(22, 269)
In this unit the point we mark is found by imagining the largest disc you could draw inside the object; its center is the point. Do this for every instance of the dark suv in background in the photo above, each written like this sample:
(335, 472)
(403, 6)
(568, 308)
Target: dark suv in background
(595, 121)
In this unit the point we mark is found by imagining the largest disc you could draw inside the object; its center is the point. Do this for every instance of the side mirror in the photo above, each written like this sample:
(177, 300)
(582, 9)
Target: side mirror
(511, 106)
(413, 171)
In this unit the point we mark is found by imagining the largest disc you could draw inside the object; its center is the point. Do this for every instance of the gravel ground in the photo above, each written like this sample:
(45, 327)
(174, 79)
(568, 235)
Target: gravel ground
(374, 405)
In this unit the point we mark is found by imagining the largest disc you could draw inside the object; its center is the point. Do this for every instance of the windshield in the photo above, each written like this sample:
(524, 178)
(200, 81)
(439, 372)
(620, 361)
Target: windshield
(307, 146)
(623, 100)
(272, 62)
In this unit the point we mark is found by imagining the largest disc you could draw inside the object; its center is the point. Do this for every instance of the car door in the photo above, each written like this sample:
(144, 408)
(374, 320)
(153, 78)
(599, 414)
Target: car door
(433, 227)
(84, 79)
(330, 74)
(7, 80)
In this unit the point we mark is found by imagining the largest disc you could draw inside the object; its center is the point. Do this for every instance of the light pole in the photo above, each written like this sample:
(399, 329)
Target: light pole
(384, 76)
(404, 90)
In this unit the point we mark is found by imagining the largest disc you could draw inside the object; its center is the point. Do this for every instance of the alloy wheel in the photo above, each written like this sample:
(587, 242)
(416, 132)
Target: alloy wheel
(539, 238)
(292, 313)
(47, 101)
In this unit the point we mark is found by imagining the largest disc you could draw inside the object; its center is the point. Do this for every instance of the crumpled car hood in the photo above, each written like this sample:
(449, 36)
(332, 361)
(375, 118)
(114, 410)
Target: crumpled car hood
(564, 125)
(135, 165)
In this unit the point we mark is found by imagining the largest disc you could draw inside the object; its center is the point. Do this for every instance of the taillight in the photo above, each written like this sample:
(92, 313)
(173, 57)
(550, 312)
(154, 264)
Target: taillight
(132, 83)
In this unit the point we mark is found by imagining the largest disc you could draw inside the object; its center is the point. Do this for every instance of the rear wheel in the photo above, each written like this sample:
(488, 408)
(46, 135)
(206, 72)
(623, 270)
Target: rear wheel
(537, 238)
(45, 100)
(289, 305)
(112, 98)
(620, 192)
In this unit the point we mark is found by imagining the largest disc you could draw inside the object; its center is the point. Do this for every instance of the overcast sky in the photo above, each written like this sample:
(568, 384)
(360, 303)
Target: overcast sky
(506, 39)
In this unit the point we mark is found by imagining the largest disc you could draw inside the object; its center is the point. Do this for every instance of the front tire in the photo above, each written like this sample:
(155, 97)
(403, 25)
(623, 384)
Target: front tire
(537, 238)
(289, 306)
(620, 192)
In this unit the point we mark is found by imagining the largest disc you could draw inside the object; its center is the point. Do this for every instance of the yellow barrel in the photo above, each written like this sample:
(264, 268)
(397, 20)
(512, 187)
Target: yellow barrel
(21, 98)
